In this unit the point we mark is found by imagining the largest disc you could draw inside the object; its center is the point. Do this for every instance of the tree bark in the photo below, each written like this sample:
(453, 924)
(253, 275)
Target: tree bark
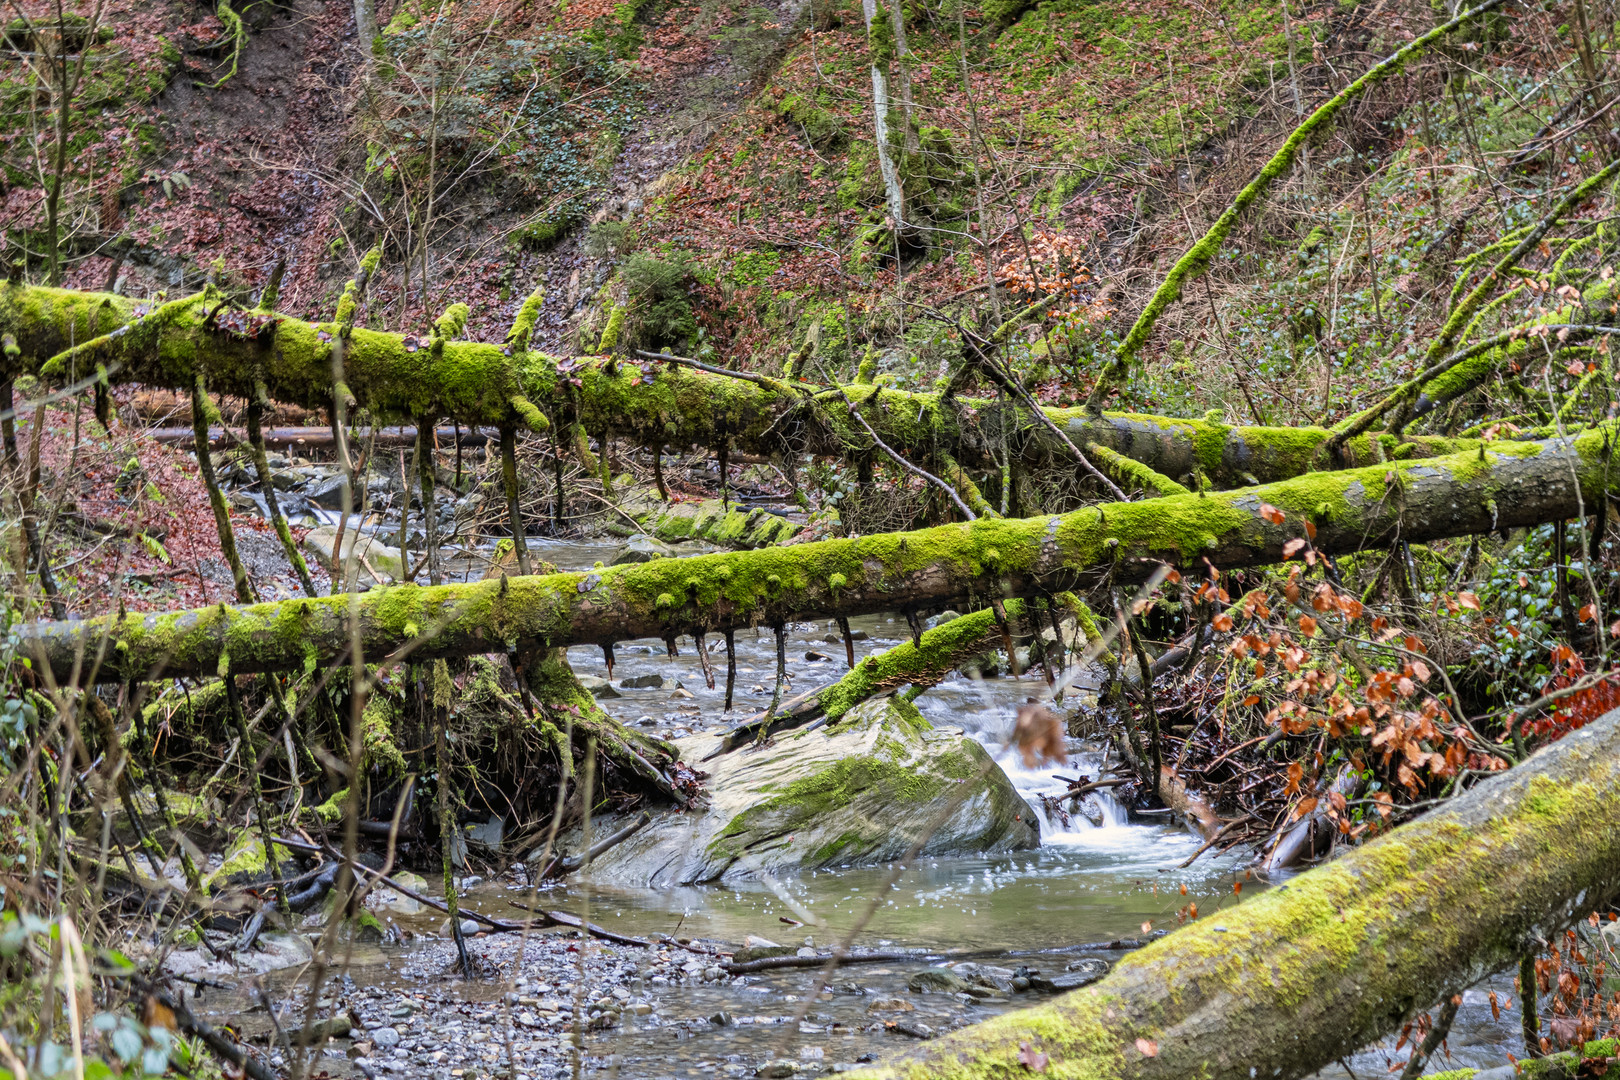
(880, 41)
(1123, 543)
(1310, 971)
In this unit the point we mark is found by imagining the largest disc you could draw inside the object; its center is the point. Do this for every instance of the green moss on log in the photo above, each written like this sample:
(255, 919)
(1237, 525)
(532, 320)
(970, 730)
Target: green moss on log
(1337, 957)
(1351, 510)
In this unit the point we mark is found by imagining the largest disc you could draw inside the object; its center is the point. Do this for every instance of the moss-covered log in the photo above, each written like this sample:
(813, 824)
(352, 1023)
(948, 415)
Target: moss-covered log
(402, 378)
(1299, 976)
(922, 664)
(1517, 484)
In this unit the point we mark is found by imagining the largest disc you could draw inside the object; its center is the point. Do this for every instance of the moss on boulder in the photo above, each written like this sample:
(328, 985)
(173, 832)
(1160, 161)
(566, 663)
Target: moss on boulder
(245, 862)
(862, 793)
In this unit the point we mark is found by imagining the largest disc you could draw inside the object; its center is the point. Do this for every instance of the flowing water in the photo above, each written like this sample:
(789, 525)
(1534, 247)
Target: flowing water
(1095, 879)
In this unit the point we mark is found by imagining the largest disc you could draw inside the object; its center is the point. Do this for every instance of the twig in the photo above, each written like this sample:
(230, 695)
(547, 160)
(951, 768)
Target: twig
(574, 862)
(746, 376)
(217, 1042)
(1222, 831)
(776, 963)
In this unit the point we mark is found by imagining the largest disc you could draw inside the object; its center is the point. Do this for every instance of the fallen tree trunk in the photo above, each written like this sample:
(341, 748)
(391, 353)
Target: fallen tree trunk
(317, 438)
(480, 384)
(966, 564)
(1313, 970)
(924, 663)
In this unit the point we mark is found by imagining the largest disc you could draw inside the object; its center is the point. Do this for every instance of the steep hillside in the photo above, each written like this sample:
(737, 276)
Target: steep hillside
(705, 178)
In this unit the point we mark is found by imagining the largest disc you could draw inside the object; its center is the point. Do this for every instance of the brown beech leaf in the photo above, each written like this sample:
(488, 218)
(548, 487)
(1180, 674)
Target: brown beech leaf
(1031, 1058)
(1039, 735)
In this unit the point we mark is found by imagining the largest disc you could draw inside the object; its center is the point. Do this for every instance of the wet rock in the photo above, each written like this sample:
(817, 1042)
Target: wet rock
(936, 981)
(838, 639)
(385, 1038)
(891, 1005)
(385, 560)
(816, 657)
(1083, 973)
(468, 928)
(384, 899)
(640, 549)
(682, 692)
(645, 682)
(941, 619)
(598, 686)
(915, 1028)
(984, 666)
(327, 492)
(338, 1027)
(995, 978)
(487, 835)
(828, 798)
(273, 952)
(779, 1068)
(721, 1019)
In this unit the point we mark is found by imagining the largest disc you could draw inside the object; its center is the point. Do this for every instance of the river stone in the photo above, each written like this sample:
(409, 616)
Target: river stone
(327, 492)
(383, 559)
(1068, 980)
(936, 981)
(855, 793)
(644, 682)
(640, 549)
(598, 686)
(385, 1038)
(760, 952)
(986, 975)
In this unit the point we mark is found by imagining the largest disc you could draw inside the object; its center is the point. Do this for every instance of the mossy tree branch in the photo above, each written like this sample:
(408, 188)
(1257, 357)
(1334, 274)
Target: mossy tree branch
(481, 384)
(1201, 254)
(1513, 485)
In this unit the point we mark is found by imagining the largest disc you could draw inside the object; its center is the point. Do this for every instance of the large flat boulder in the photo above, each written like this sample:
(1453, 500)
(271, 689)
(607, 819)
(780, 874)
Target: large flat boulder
(860, 792)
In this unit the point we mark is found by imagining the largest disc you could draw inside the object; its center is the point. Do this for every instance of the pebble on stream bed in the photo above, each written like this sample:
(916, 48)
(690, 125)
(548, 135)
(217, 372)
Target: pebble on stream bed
(424, 1021)
(517, 1018)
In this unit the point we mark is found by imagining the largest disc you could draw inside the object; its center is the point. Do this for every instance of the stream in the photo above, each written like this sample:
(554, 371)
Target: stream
(1025, 912)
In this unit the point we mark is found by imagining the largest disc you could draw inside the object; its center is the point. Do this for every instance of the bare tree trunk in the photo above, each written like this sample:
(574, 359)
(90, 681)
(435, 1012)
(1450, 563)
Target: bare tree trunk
(365, 27)
(902, 77)
(880, 41)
